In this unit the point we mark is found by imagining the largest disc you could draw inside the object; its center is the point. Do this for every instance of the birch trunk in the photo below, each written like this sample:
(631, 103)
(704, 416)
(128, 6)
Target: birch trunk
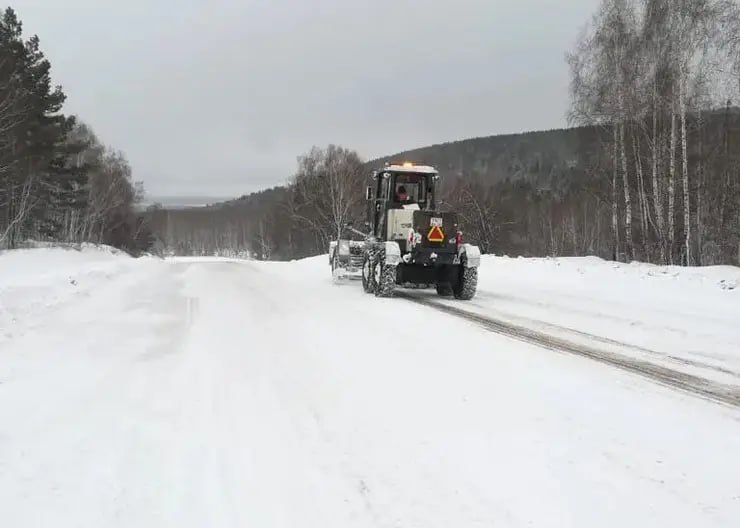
(685, 167)
(672, 187)
(642, 200)
(627, 198)
(615, 205)
(657, 194)
(574, 233)
(725, 177)
(700, 195)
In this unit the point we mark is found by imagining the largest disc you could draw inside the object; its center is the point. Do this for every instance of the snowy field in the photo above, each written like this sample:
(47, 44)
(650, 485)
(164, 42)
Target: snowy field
(684, 319)
(217, 393)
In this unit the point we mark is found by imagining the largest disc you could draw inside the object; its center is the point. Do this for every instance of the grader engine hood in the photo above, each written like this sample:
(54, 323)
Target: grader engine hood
(400, 222)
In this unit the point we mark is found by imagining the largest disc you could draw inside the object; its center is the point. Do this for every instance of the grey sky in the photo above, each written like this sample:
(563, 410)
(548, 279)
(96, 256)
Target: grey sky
(218, 97)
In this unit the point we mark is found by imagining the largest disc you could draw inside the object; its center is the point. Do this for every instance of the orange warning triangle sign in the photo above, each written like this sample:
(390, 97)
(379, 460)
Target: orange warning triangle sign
(436, 234)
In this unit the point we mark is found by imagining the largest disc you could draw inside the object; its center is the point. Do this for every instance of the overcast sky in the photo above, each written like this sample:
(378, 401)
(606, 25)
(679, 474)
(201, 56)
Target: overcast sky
(218, 97)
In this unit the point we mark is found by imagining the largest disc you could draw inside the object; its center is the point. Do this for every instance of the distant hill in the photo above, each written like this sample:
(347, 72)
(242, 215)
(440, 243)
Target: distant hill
(539, 158)
(531, 194)
(545, 160)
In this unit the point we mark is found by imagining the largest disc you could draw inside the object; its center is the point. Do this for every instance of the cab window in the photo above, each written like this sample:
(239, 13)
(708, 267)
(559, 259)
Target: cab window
(409, 188)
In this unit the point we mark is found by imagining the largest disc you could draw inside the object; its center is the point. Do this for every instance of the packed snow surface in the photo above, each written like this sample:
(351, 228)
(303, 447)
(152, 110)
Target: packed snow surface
(686, 319)
(218, 393)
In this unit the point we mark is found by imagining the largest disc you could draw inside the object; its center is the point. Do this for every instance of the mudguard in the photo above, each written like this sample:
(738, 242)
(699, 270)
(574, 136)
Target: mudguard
(472, 255)
(392, 253)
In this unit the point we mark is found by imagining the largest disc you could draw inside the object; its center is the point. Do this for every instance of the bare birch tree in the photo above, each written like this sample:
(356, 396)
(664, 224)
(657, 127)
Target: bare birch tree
(329, 183)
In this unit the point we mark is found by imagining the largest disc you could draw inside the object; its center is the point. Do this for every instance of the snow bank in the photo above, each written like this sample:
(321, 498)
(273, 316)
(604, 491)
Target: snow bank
(36, 281)
(684, 317)
(578, 269)
(29, 266)
(591, 273)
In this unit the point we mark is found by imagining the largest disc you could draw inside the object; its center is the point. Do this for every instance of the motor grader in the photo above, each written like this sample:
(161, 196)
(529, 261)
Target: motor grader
(412, 243)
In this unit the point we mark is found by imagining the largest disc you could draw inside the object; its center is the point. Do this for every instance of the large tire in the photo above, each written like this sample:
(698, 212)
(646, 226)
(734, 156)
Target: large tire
(368, 274)
(444, 289)
(467, 284)
(384, 277)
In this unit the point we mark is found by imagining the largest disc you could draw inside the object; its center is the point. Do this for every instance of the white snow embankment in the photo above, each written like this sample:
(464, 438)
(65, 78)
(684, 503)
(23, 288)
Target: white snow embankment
(685, 318)
(36, 282)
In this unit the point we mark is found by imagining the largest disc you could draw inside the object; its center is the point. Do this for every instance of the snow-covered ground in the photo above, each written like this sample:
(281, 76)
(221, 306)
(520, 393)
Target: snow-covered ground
(686, 319)
(221, 393)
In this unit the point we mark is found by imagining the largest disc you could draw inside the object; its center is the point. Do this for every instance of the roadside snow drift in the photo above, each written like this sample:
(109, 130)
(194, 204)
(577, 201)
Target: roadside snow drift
(684, 318)
(222, 393)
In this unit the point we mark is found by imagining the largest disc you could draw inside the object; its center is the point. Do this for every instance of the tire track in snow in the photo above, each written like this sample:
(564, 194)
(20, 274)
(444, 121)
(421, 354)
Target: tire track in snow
(544, 327)
(708, 389)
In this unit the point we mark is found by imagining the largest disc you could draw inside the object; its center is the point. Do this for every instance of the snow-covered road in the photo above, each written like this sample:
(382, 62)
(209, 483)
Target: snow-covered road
(197, 393)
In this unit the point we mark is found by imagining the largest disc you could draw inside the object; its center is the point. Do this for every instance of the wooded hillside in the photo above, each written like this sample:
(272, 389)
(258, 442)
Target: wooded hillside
(58, 182)
(651, 171)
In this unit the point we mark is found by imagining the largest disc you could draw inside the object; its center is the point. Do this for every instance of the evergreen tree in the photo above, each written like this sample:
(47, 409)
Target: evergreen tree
(56, 182)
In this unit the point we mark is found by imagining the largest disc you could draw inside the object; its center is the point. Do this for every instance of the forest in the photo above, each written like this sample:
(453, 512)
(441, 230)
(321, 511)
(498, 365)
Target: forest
(58, 182)
(650, 170)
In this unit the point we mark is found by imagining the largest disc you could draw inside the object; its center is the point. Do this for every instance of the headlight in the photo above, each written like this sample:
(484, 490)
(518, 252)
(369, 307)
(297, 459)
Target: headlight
(344, 248)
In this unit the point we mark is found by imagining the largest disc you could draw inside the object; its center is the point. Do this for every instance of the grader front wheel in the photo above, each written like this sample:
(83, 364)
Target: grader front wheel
(385, 277)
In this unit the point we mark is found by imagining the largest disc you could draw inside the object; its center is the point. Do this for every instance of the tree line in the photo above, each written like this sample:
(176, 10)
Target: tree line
(559, 209)
(658, 77)
(651, 170)
(287, 222)
(518, 217)
(58, 181)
